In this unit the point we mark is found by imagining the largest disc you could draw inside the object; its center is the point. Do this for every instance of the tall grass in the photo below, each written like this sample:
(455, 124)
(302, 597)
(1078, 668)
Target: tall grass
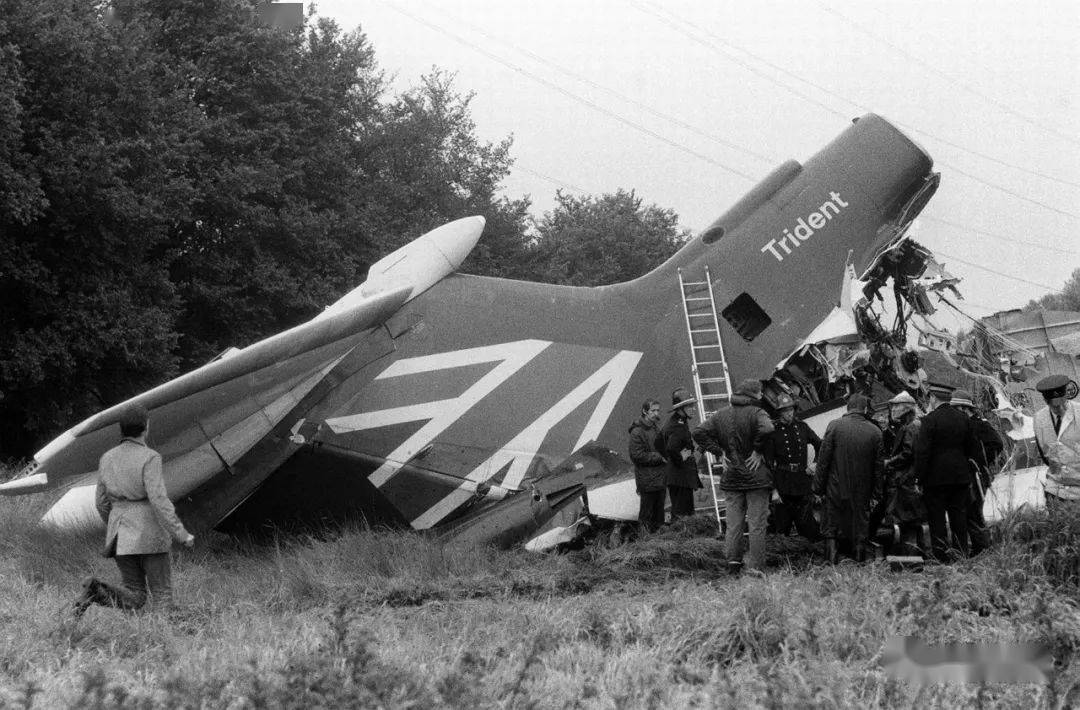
(386, 619)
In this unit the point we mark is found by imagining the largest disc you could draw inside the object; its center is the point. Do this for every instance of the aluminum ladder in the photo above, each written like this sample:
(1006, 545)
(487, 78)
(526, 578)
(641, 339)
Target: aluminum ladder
(709, 369)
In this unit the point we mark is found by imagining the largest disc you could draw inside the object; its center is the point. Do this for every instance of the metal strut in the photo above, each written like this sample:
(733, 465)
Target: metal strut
(712, 383)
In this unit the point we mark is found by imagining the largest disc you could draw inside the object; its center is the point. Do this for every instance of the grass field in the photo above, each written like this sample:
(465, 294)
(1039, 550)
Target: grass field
(370, 619)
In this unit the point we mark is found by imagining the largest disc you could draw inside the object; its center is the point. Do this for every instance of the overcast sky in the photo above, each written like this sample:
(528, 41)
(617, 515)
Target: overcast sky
(691, 103)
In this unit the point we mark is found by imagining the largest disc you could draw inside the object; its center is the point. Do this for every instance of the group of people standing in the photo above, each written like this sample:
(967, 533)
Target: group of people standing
(664, 459)
(934, 469)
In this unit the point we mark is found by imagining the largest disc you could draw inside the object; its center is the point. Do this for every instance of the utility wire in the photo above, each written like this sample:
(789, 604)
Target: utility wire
(619, 95)
(1007, 191)
(952, 80)
(587, 102)
(675, 144)
(863, 107)
(1052, 289)
(651, 11)
(1000, 237)
(553, 181)
(705, 134)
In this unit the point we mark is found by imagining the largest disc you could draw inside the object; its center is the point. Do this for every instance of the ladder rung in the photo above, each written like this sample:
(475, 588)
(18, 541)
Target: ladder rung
(700, 315)
(703, 330)
(695, 283)
(706, 380)
(714, 345)
(711, 362)
(715, 396)
(697, 298)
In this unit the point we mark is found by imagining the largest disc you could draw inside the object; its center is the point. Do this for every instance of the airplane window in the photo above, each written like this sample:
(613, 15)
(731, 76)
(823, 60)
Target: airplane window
(712, 235)
(746, 317)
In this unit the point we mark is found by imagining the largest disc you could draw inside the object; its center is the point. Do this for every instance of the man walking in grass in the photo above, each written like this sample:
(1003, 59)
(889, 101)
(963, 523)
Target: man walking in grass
(736, 436)
(142, 522)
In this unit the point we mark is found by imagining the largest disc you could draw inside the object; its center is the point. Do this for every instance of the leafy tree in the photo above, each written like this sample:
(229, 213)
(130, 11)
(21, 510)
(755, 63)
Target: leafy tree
(92, 130)
(590, 241)
(432, 168)
(1067, 299)
(176, 178)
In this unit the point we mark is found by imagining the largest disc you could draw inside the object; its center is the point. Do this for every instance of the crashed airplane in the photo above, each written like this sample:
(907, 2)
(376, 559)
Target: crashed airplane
(479, 407)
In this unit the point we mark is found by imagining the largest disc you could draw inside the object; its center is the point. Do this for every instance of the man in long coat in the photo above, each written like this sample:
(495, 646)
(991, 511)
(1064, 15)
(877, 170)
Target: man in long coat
(649, 466)
(677, 445)
(849, 474)
(141, 521)
(736, 436)
(943, 452)
(988, 446)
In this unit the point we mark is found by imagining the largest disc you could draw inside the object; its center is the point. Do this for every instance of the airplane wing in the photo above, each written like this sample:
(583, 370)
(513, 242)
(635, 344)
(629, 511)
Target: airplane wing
(211, 414)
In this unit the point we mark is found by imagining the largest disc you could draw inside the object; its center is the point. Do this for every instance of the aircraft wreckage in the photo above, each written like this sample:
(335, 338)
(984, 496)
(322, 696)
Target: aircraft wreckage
(480, 407)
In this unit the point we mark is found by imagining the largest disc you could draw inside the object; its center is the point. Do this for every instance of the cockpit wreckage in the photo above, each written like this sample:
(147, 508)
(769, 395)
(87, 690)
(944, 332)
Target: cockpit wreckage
(479, 408)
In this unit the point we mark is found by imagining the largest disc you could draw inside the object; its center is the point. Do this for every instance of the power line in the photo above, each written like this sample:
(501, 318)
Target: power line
(649, 10)
(553, 181)
(587, 102)
(952, 80)
(995, 235)
(1007, 191)
(645, 107)
(863, 107)
(1053, 289)
(992, 159)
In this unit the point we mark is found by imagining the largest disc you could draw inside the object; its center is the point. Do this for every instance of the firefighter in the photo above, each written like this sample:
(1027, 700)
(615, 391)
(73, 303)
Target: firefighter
(785, 450)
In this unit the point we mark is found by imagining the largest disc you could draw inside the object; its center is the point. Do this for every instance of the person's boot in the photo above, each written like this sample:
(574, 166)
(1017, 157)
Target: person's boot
(734, 569)
(86, 597)
(832, 553)
(860, 552)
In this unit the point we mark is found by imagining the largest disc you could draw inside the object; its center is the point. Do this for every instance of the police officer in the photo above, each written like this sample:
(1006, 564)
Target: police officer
(677, 446)
(1057, 434)
(785, 451)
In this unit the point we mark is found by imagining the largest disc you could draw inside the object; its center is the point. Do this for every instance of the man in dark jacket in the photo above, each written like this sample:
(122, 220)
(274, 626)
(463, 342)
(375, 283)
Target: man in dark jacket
(676, 444)
(736, 436)
(849, 474)
(903, 499)
(945, 443)
(987, 447)
(785, 452)
(649, 466)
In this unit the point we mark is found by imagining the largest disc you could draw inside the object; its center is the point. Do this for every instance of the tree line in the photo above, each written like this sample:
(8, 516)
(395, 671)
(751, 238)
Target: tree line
(1067, 299)
(176, 178)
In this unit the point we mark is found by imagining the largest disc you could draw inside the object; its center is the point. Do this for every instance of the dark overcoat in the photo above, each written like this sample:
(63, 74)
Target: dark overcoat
(905, 503)
(674, 439)
(851, 462)
(649, 464)
(944, 448)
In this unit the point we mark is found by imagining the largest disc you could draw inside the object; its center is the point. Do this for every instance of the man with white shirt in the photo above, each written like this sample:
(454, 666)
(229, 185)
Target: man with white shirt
(1057, 434)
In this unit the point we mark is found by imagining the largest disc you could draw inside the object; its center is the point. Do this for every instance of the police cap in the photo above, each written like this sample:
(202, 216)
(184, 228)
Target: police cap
(1053, 386)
